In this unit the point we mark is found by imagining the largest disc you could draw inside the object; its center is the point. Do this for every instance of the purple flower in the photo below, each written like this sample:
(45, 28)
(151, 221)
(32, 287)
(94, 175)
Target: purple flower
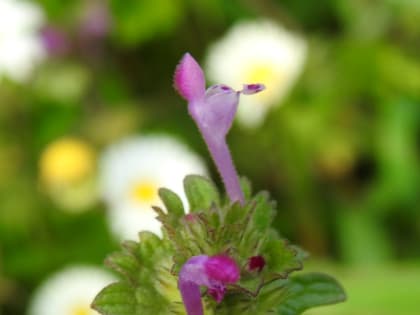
(213, 272)
(96, 22)
(213, 110)
(55, 41)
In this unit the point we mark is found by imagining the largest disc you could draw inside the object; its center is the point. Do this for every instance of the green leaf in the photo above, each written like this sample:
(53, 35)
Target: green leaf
(246, 187)
(124, 263)
(137, 21)
(116, 299)
(310, 290)
(281, 258)
(235, 213)
(148, 287)
(201, 192)
(265, 303)
(264, 211)
(172, 202)
(150, 247)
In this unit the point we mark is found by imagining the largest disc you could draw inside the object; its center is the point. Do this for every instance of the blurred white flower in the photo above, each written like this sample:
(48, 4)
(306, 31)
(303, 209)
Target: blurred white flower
(69, 292)
(20, 45)
(257, 52)
(133, 170)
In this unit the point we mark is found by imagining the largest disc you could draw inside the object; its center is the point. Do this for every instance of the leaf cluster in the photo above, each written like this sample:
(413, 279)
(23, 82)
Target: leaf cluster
(214, 226)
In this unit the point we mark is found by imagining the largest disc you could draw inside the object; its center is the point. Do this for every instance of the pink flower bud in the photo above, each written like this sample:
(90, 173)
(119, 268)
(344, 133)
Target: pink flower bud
(256, 263)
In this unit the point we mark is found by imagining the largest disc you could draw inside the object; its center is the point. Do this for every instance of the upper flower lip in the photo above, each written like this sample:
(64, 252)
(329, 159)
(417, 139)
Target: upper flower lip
(213, 109)
(189, 79)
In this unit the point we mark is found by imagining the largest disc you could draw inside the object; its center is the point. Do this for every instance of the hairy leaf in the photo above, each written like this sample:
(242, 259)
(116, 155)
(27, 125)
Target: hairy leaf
(310, 290)
(201, 192)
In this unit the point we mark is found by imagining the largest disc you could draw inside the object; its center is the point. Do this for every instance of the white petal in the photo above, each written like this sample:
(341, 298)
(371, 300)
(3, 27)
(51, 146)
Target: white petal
(20, 45)
(127, 220)
(19, 56)
(158, 159)
(247, 46)
(66, 290)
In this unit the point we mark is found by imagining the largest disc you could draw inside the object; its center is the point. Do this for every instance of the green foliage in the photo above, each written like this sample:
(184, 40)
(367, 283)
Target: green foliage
(287, 297)
(172, 203)
(201, 193)
(310, 290)
(117, 298)
(137, 21)
(62, 83)
(266, 302)
(149, 268)
(341, 154)
(147, 286)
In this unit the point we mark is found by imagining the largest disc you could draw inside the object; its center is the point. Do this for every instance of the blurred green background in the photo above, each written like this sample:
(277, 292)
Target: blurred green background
(341, 155)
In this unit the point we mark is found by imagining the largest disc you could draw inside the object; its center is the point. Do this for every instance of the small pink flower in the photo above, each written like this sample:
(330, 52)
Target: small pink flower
(96, 21)
(213, 272)
(55, 41)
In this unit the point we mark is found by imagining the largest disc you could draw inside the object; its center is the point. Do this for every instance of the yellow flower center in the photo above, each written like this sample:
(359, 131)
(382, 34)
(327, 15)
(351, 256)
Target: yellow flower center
(144, 192)
(66, 161)
(267, 74)
(81, 310)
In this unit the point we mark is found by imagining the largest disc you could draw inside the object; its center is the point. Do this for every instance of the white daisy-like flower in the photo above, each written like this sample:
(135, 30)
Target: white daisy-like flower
(70, 292)
(20, 45)
(133, 170)
(257, 52)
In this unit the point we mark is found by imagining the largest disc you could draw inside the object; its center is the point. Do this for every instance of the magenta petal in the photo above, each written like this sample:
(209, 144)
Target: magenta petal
(252, 88)
(215, 113)
(55, 40)
(222, 268)
(189, 79)
(97, 21)
(213, 272)
(191, 297)
(217, 293)
(191, 276)
(193, 270)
